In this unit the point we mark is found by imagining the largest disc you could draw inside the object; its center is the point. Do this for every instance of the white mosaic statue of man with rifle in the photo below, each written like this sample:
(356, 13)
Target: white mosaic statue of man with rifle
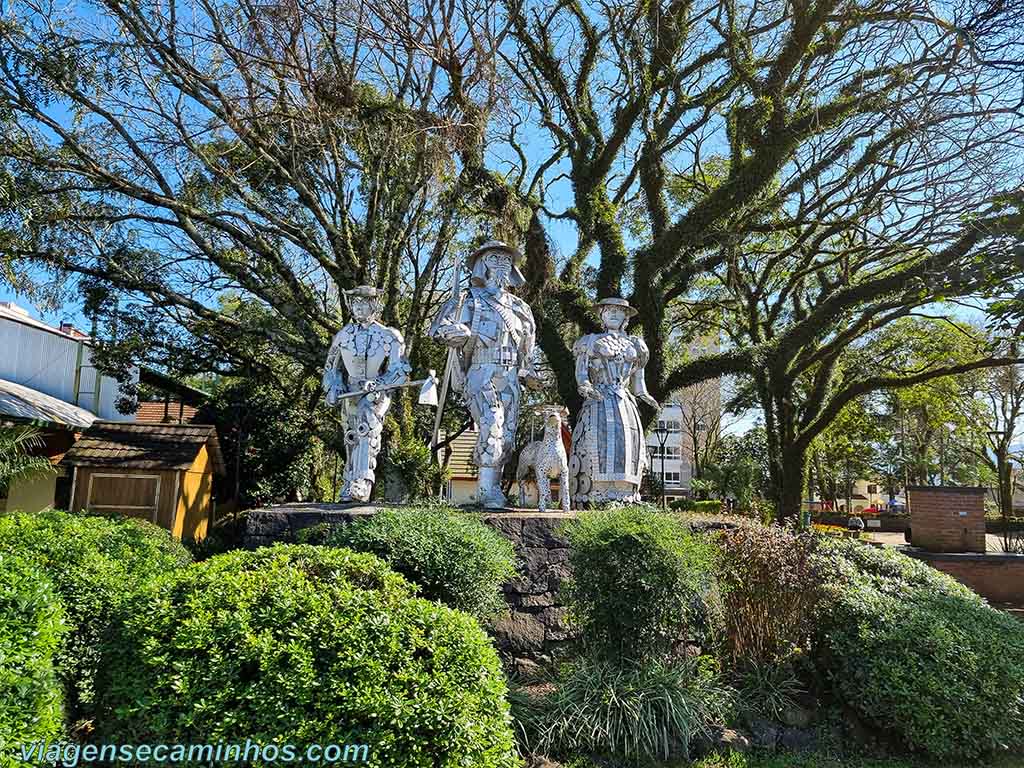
(492, 333)
(366, 361)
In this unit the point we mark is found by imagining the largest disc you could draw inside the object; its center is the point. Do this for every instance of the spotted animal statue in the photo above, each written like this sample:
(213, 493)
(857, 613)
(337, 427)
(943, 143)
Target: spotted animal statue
(547, 459)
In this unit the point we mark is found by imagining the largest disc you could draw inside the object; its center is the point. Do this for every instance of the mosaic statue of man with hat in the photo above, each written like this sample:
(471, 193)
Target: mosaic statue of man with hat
(609, 452)
(369, 358)
(493, 333)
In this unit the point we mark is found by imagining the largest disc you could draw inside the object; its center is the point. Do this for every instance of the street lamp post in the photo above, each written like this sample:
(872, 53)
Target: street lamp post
(942, 457)
(662, 434)
(650, 466)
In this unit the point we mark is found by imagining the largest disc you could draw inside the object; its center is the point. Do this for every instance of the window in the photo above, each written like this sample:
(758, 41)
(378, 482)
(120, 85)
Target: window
(672, 452)
(672, 426)
(671, 478)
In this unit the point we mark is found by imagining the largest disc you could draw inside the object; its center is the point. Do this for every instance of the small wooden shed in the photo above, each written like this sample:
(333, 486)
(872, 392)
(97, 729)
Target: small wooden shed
(158, 472)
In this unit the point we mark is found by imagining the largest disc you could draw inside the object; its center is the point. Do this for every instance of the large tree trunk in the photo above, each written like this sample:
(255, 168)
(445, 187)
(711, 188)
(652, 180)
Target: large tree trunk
(1005, 488)
(789, 484)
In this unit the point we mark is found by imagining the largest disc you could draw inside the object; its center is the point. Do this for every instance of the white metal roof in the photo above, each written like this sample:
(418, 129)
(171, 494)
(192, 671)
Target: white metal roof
(11, 311)
(55, 362)
(25, 403)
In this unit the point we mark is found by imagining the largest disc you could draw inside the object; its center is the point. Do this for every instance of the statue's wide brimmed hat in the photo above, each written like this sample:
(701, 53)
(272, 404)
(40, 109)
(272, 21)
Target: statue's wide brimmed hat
(375, 295)
(478, 270)
(614, 301)
(363, 291)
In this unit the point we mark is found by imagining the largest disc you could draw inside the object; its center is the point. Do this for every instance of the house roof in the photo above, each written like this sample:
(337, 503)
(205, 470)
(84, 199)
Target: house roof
(145, 446)
(22, 404)
(160, 412)
(12, 312)
(166, 383)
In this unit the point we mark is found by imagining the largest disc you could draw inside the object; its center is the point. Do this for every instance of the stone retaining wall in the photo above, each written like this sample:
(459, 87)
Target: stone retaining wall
(534, 627)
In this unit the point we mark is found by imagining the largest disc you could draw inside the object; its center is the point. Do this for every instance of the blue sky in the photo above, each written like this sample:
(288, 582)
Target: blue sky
(69, 312)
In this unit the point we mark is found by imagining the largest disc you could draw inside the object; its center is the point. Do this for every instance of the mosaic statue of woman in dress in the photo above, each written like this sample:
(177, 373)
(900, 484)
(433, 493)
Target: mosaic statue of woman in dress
(609, 453)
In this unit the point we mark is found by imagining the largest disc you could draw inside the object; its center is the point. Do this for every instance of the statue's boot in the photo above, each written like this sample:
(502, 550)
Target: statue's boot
(489, 492)
(355, 490)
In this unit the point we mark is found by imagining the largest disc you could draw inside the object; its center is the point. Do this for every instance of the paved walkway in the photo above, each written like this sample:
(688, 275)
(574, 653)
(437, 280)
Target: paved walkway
(993, 542)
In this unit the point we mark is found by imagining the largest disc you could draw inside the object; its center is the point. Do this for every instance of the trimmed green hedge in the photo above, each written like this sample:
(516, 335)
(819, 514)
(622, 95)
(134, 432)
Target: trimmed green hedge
(94, 563)
(920, 655)
(31, 626)
(452, 555)
(705, 507)
(639, 579)
(303, 644)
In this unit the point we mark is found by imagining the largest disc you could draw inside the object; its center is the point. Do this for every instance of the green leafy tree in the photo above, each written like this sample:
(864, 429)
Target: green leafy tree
(212, 186)
(935, 424)
(846, 451)
(275, 443)
(795, 175)
(744, 162)
(738, 469)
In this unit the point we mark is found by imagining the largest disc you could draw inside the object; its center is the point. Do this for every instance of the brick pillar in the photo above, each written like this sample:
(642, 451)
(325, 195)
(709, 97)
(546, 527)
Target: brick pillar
(947, 519)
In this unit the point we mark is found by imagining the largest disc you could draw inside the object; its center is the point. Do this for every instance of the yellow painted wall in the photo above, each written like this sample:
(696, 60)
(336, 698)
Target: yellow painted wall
(195, 499)
(32, 495)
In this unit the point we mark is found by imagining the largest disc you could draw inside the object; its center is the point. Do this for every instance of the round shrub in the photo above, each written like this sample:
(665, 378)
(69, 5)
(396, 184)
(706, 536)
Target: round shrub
(771, 582)
(453, 556)
(298, 644)
(94, 563)
(31, 625)
(639, 579)
(919, 655)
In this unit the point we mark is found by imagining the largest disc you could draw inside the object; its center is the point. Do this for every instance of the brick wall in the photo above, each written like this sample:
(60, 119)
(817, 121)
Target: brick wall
(998, 578)
(947, 519)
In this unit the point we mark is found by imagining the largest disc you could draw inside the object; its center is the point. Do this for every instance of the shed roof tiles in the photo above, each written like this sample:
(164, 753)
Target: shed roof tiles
(145, 446)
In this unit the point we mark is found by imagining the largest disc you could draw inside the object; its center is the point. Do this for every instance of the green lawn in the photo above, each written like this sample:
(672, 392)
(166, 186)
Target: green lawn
(819, 760)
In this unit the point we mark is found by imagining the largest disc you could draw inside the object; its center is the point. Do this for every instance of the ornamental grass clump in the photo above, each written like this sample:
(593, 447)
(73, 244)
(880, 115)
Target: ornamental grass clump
(94, 564)
(31, 627)
(920, 656)
(640, 580)
(635, 713)
(771, 581)
(299, 644)
(633, 693)
(452, 555)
